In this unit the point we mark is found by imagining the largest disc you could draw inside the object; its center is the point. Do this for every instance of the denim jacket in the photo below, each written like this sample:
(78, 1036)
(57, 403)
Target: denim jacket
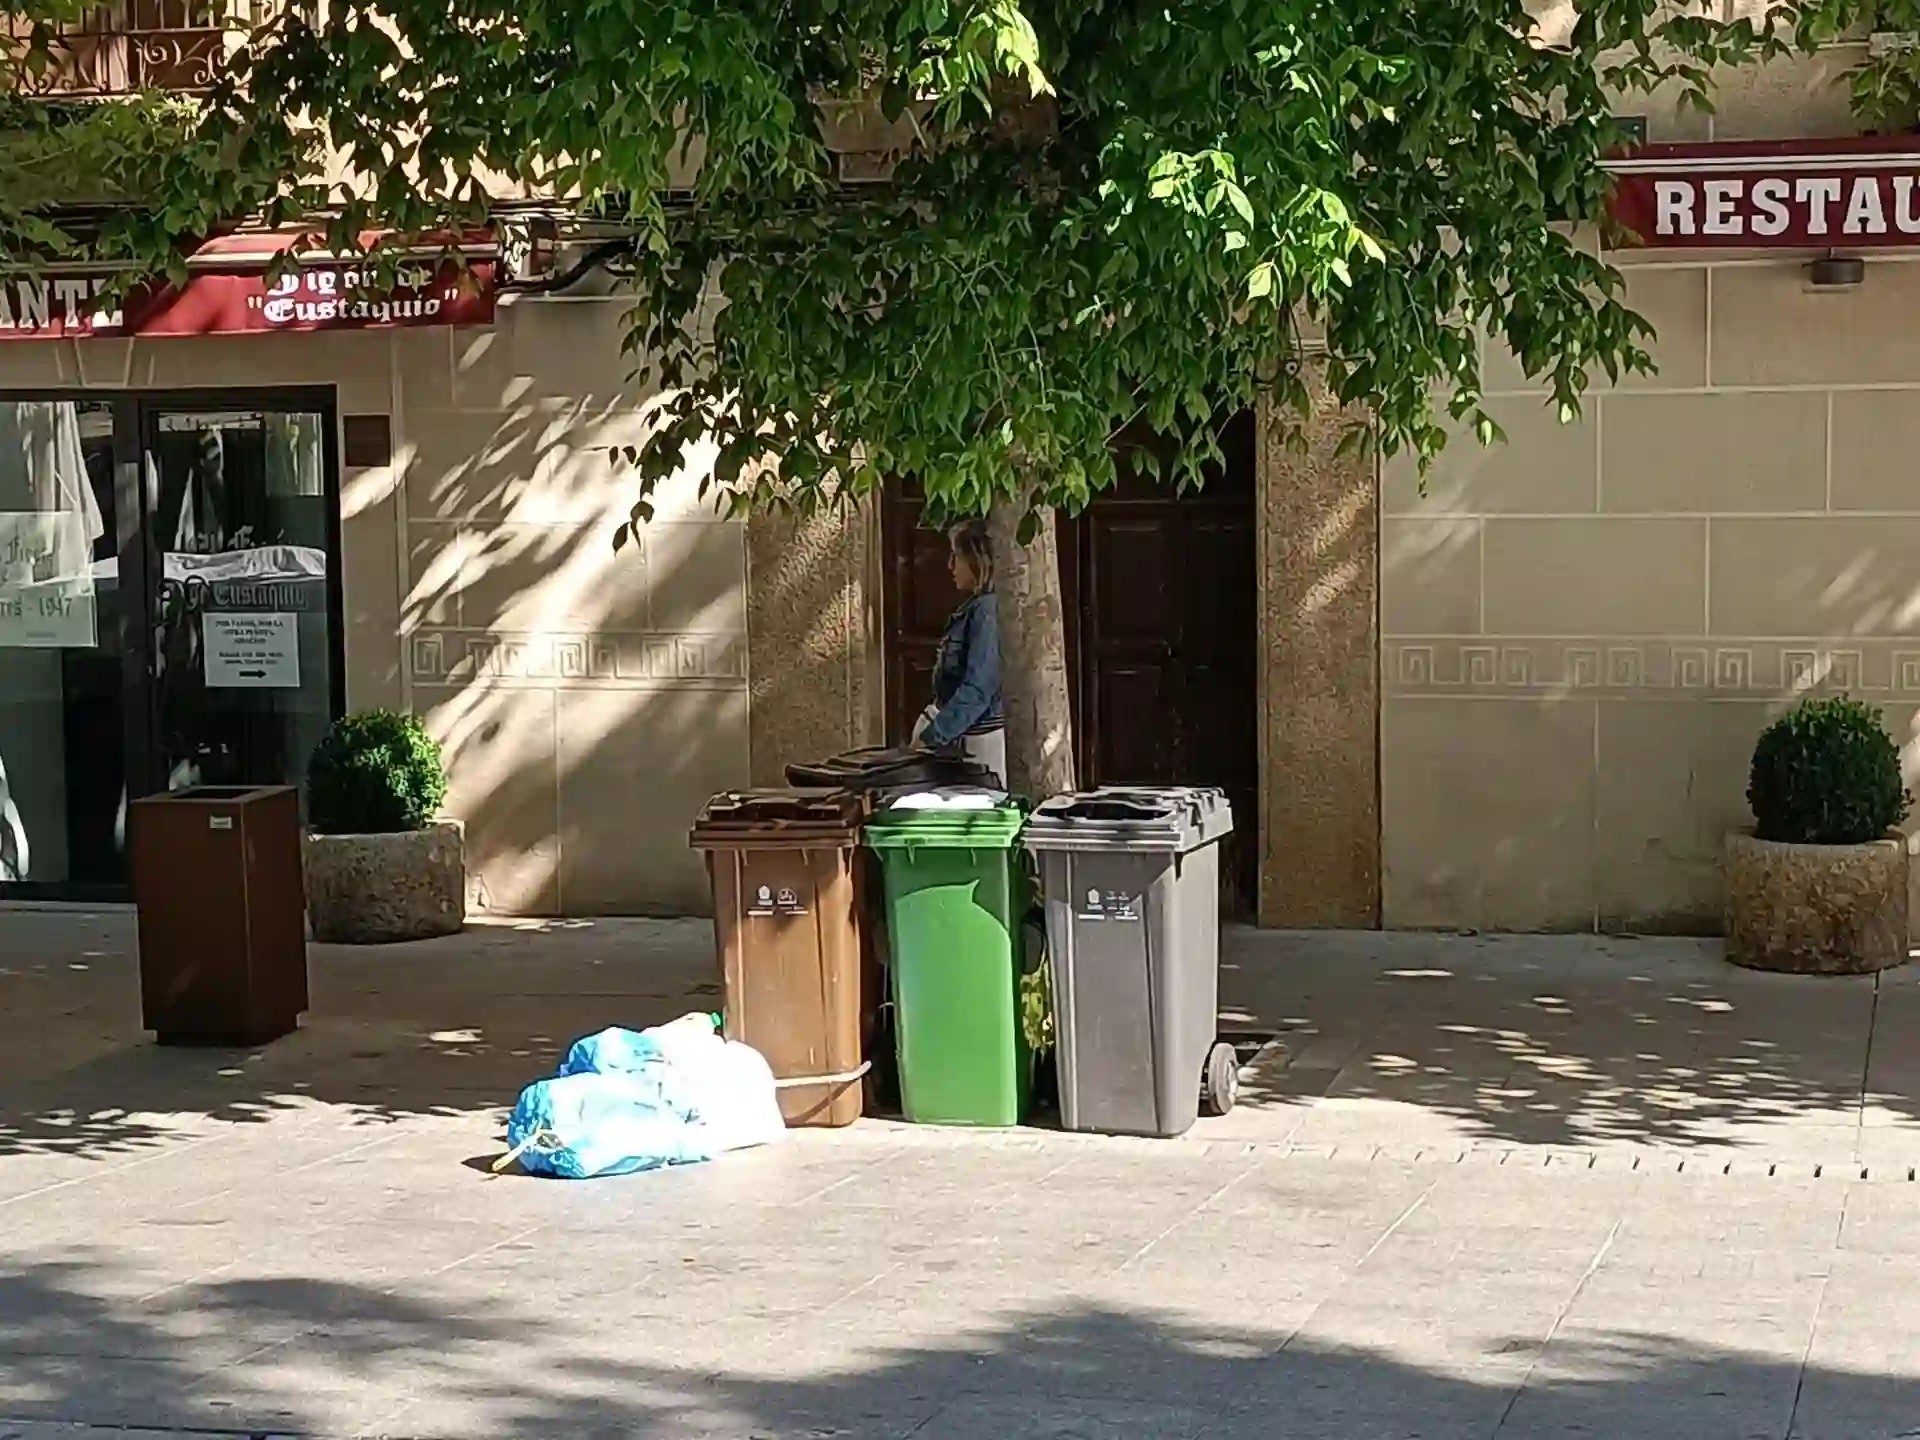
(966, 678)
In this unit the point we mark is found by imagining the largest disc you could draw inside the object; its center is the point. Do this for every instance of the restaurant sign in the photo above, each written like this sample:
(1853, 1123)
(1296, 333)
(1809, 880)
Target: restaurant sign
(228, 293)
(1843, 195)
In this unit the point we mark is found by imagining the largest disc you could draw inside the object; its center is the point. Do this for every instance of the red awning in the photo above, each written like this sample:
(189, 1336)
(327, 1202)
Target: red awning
(227, 293)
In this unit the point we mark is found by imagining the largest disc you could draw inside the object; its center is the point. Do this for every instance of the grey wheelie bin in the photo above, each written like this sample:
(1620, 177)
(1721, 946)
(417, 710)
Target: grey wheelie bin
(1131, 878)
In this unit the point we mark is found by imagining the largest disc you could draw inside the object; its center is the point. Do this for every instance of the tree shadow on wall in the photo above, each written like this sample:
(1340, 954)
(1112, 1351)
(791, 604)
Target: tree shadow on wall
(589, 702)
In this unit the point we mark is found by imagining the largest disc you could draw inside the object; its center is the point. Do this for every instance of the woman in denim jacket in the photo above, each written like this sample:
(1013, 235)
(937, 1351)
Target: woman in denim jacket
(966, 713)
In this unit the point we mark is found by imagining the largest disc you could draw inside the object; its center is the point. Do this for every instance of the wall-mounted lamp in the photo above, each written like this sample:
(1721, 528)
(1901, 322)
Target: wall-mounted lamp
(530, 247)
(543, 244)
(1837, 272)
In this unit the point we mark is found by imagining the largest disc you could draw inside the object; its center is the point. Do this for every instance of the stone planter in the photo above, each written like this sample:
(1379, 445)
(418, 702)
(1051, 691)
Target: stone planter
(1816, 909)
(377, 889)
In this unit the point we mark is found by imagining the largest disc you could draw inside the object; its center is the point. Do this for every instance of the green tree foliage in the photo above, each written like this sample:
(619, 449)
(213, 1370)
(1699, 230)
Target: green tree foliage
(56, 157)
(1104, 213)
(1114, 211)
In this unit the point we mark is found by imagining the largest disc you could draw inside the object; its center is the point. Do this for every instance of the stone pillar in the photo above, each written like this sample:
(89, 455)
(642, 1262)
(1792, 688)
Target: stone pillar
(1318, 527)
(809, 638)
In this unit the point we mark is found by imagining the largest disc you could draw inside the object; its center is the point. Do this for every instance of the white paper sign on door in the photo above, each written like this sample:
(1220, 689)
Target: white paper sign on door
(53, 615)
(46, 581)
(252, 652)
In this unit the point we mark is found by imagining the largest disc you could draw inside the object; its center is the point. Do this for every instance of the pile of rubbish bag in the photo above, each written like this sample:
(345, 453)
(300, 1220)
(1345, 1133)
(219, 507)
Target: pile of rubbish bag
(625, 1101)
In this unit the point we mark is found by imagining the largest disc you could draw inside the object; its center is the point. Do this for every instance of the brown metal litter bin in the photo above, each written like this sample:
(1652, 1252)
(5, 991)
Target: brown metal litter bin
(787, 904)
(222, 914)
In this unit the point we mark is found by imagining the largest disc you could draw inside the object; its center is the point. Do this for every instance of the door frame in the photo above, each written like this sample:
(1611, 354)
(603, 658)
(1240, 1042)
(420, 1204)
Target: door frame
(899, 518)
(899, 512)
(146, 408)
(137, 548)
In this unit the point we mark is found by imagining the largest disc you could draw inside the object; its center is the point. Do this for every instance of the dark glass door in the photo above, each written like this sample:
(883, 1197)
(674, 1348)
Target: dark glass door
(242, 527)
(169, 602)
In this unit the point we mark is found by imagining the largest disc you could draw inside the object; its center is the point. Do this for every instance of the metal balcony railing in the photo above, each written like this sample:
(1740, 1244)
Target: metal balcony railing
(128, 46)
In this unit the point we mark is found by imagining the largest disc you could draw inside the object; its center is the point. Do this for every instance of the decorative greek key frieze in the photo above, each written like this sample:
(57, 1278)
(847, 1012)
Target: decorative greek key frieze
(1733, 669)
(429, 655)
(1626, 667)
(1729, 668)
(698, 661)
(1581, 666)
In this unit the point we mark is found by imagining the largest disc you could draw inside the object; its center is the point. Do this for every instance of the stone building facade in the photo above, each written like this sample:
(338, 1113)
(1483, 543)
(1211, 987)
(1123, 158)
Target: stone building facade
(1582, 632)
(588, 702)
(1521, 696)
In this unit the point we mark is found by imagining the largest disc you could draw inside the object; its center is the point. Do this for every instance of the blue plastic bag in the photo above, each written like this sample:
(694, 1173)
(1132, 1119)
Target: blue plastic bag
(579, 1126)
(611, 1052)
(626, 1101)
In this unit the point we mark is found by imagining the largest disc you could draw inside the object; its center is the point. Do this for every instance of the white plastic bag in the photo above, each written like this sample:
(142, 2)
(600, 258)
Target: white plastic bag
(736, 1103)
(624, 1101)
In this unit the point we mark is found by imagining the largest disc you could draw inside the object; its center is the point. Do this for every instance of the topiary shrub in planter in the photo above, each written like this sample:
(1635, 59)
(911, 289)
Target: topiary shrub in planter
(1819, 885)
(375, 773)
(381, 866)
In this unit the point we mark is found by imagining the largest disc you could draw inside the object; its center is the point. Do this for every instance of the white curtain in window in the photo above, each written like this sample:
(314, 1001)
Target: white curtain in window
(296, 464)
(15, 857)
(49, 519)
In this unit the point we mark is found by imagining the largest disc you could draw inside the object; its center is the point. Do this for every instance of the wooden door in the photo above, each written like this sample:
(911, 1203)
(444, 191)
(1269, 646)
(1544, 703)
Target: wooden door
(919, 596)
(1169, 658)
(1161, 638)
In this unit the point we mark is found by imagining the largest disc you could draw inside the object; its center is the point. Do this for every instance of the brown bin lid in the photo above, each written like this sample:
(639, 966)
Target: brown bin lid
(788, 814)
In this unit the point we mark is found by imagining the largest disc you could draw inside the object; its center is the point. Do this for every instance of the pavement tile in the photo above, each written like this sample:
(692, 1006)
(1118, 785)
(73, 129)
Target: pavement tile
(1036, 1418)
(1858, 1407)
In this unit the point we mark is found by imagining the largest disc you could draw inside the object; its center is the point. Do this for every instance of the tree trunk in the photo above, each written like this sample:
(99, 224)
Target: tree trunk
(1034, 682)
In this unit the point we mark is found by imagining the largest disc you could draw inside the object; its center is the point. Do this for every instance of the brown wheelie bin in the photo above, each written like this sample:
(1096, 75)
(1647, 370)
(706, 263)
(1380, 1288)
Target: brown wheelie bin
(788, 904)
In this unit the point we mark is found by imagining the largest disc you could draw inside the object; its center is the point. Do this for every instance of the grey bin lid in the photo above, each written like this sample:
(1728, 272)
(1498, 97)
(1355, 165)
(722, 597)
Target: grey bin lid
(1131, 817)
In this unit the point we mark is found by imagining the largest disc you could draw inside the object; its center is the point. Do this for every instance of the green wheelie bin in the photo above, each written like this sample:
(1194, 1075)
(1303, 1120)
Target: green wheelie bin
(957, 895)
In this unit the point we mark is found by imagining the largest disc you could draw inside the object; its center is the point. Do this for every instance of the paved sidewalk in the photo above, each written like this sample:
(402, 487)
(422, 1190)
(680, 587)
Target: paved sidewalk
(1523, 1188)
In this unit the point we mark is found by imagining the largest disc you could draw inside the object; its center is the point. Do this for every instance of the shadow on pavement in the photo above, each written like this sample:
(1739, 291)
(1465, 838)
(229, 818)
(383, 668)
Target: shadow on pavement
(443, 1027)
(1393, 1039)
(81, 1343)
(1569, 1041)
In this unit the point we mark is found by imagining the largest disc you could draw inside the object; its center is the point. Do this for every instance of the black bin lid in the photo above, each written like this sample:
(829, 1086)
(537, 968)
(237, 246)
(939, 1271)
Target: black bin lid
(881, 767)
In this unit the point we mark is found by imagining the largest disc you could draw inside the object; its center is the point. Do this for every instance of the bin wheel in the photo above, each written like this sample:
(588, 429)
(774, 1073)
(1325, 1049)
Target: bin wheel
(1220, 1086)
